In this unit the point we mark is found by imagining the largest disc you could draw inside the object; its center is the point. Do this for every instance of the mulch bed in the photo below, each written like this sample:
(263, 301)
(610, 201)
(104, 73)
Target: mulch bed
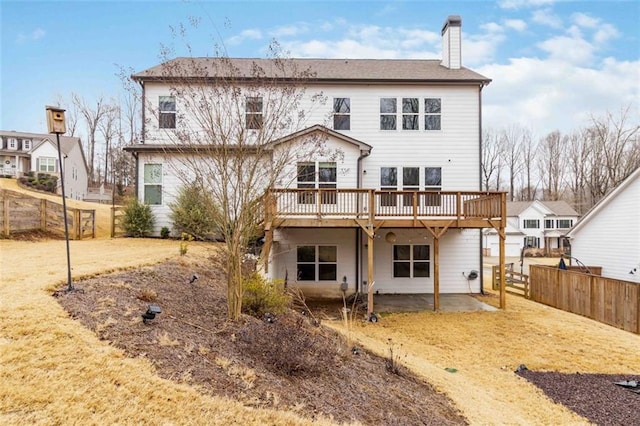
(289, 364)
(593, 396)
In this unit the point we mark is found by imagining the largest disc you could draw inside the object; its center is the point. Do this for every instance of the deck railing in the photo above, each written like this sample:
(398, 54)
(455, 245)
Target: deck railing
(365, 203)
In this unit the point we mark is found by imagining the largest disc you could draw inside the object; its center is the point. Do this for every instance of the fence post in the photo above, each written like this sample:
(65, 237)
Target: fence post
(6, 228)
(43, 214)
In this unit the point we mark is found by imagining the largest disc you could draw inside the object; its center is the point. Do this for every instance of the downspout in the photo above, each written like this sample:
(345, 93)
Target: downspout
(363, 155)
(144, 132)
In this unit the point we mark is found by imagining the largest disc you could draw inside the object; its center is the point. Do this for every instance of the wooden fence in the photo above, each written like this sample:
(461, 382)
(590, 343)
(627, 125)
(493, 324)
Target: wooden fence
(610, 301)
(515, 282)
(19, 213)
(117, 213)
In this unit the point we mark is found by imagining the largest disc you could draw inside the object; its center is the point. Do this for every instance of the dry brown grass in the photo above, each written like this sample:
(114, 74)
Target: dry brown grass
(486, 347)
(54, 371)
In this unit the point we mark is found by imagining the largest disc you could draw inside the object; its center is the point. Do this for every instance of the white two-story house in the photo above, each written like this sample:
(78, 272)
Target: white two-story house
(23, 152)
(400, 210)
(536, 226)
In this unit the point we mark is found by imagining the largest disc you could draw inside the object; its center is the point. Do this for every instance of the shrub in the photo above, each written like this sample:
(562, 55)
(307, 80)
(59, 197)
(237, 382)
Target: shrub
(194, 212)
(261, 296)
(288, 346)
(164, 232)
(138, 219)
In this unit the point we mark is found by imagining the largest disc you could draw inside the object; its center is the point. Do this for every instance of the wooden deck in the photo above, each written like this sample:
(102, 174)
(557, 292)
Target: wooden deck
(372, 209)
(392, 209)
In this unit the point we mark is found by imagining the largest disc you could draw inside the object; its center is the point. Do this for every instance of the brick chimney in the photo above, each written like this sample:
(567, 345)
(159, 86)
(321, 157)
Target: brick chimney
(451, 43)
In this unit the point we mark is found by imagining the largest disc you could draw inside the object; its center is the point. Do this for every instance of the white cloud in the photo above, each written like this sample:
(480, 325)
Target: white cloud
(605, 33)
(250, 34)
(568, 49)
(520, 4)
(584, 20)
(545, 95)
(516, 24)
(491, 27)
(546, 17)
(289, 30)
(34, 35)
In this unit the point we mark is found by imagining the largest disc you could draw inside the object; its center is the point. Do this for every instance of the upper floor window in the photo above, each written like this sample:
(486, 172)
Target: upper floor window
(411, 261)
(47, 164)
(341, 114)
(531, 224)
(13, 143)
(167, 112)
(565, 223)
(153, 184)
(317, 263)
(320, 175)
(432, 113)
(432, 182)
(548, 224)
(26, 144)
(410, 110)
(388, 181)
(253, 111)
(388, 110)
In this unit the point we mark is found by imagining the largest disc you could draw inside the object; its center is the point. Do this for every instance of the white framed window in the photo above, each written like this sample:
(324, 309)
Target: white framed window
(153, 184)
(531, 224)
(432, 114)
(47, 164)
(26, 144)
(564, 223)
(167, 112)
(410, 113)
(317, 263)
(548, 224)
(388, 182)
(341, 114)
(531, 242)
(388, 112)
(432, 182)
(317, 175)
(253, 113)
(411, 261)
(13, 143)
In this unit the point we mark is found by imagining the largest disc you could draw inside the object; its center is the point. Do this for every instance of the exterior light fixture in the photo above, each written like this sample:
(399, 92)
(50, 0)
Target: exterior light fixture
(152, 311)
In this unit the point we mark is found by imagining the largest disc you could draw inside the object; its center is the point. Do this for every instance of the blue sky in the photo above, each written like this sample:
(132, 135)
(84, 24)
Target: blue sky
(553, 63)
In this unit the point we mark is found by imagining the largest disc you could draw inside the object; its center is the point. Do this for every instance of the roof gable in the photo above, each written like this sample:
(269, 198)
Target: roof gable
(600, 205)
(324, 130)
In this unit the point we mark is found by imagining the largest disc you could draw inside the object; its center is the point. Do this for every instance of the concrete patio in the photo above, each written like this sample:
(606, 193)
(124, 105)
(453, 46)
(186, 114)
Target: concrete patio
(386, 303)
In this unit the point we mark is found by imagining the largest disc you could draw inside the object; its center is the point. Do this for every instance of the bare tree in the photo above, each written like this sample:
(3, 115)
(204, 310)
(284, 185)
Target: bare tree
(578, 169)
(491, 160)
(529, 150)
(70, 116)
(552, 164)
(92, 117)
(511, 141)
(228, 115)
(108, 128)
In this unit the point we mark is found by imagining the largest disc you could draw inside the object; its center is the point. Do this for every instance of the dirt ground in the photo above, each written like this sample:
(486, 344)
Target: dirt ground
(55, 368)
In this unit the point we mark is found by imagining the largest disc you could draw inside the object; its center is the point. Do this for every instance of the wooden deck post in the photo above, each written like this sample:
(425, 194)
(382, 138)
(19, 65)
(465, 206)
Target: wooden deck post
(502, 235)
(436, 273)
(370, 283)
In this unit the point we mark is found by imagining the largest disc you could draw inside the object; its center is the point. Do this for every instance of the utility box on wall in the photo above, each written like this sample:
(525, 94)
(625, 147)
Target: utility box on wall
(55, 120)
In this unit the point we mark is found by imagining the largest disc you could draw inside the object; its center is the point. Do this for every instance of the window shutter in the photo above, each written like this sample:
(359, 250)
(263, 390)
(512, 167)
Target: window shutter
(37, 164)
(57, 169)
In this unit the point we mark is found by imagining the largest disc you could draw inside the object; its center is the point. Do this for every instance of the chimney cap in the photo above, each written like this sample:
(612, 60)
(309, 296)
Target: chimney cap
(452, 21)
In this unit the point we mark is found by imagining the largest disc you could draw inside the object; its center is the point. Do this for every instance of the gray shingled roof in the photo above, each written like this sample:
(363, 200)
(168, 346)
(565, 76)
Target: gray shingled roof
(559, 208)
(329, 70)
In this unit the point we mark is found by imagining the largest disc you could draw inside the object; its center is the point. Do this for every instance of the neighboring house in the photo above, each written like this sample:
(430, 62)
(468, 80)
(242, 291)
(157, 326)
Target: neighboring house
(609, 234)
(534, 225)
(401, 207)
(22, 152)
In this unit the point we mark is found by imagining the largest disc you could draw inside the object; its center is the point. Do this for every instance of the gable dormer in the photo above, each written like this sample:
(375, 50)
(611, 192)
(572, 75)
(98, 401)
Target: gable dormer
(12, 144)
(26, 145)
